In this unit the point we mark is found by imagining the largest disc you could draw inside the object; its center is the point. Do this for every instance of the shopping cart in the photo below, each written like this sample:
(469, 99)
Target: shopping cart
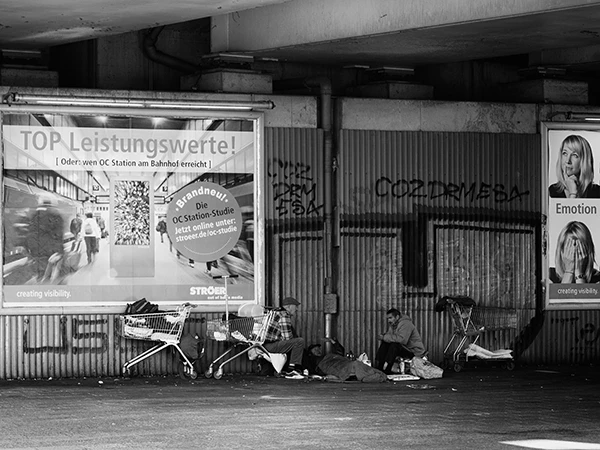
(470, 323)
(248, 331)
(165, 328)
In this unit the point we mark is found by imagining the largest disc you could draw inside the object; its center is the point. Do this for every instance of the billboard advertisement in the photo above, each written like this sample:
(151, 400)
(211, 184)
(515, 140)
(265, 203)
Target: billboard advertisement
(573, 221)
(103, 211)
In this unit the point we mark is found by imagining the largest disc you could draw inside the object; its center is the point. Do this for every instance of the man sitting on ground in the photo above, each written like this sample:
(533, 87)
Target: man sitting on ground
(281, 338)
(400, 340)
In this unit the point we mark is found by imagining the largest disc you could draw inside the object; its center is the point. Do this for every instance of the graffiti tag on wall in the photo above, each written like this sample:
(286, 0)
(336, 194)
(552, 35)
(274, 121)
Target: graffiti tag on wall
(416, 188)
(585, 338)
(84, 337)
(294, 188)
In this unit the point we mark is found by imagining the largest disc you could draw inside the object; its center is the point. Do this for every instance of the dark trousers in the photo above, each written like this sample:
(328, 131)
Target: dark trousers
(294, 346)
(388, 352)
(91, 247)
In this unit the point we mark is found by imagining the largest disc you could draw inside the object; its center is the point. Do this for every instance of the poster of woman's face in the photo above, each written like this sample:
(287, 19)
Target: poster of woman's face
(573, 244)
(570, 236)
(574, 164)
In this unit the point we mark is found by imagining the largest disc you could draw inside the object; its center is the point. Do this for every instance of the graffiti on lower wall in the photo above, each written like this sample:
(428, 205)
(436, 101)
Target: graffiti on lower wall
(89, 336)
(83, 337)
(585, 338)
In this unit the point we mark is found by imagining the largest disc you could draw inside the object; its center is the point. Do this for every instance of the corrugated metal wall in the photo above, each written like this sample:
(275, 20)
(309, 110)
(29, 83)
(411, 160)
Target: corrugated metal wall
(427, 214)
(567, 337)
(421, 215)
(295, 212)
(89, 345)
(385, 173)
(371, 282)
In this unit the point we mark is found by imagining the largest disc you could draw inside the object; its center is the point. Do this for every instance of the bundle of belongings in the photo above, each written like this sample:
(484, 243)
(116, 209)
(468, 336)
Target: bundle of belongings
(341, 368)
(474, 350)
(165, 327)
(425, 369)
(141, 306)
(277, 360)
(144, 320)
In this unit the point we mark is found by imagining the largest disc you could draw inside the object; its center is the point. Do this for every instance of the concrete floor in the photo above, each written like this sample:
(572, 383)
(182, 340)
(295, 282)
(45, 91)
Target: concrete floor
(478, 408)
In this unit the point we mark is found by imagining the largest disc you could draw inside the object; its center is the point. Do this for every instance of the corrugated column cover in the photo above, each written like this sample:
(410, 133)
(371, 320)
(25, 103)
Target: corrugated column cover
(294, 234)
(10, 344)
(294, 193)
(298, 263)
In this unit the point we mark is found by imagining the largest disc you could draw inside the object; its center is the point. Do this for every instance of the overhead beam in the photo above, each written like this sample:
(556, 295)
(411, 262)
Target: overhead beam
(315, 21)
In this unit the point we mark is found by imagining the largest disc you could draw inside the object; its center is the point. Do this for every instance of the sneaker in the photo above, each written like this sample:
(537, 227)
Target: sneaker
(293, 375)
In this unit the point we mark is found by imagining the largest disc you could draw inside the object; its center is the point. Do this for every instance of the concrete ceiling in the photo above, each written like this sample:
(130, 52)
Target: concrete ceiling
(568, 35)
(534, 33)
(38, 24)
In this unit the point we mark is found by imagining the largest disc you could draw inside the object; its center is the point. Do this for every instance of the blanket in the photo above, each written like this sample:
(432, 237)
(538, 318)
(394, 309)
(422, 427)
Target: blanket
(343, 368)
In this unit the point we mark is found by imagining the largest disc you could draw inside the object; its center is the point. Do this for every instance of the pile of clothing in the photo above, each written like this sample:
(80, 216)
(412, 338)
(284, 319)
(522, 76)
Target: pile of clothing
(474, 350)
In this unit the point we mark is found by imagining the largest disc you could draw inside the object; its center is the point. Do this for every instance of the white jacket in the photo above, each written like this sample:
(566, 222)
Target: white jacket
(93, 224)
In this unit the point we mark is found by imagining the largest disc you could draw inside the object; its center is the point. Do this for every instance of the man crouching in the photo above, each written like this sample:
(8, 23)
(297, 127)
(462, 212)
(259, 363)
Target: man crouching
(400, 340)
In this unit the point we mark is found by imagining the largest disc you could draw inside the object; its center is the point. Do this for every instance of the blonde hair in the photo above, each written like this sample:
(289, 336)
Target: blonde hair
(582, 147)
(582, 233)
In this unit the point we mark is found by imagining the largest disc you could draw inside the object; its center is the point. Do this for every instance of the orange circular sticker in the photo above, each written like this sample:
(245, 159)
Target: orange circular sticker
(204, 221)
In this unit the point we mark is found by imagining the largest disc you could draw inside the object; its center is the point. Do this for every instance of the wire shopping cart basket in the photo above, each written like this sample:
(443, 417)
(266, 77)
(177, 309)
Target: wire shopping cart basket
(165, 328)
(248, 331)
(470, 323)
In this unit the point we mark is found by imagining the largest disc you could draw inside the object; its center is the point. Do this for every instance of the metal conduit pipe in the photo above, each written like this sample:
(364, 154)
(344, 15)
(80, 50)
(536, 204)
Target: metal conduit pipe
(323, 84)
(150, 50)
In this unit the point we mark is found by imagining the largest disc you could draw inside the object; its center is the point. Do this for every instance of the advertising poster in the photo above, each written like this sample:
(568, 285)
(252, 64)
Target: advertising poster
(108, 210)
(573, 217)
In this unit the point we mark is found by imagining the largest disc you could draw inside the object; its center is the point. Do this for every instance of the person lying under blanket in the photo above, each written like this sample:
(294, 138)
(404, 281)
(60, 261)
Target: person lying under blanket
(335, 367)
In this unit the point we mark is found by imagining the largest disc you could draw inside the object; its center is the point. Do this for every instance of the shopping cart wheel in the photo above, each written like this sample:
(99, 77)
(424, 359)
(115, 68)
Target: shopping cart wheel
(186, 372)
(218, 374)
(209, 372)
(458, 367)
(510, 365)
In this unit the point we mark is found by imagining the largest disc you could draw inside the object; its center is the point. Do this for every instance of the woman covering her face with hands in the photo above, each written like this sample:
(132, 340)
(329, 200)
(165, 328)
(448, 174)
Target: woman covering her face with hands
(575, 170)
(575, 256)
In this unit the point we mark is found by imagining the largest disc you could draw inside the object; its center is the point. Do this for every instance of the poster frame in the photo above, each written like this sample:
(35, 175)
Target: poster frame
(551, 223)
(175, 112)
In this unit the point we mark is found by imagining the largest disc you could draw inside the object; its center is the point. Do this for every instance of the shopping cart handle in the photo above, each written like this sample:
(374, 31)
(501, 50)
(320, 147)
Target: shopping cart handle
(224, 276)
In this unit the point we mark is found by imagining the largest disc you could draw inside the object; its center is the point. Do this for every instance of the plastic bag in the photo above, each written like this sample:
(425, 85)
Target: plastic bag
(425, 369)
(189, 345)
(364, 359)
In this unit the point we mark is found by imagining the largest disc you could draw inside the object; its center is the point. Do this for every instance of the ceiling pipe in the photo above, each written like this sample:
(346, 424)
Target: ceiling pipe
(154, 54)
(14, 98)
